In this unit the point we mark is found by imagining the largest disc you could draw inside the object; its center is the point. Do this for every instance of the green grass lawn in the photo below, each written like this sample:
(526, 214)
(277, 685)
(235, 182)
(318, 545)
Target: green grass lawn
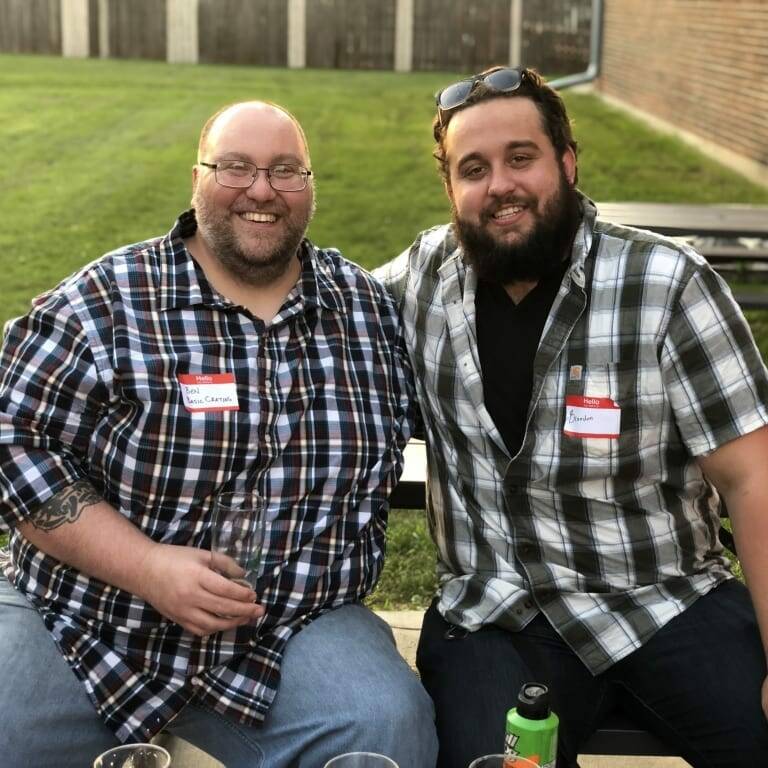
(97, 154)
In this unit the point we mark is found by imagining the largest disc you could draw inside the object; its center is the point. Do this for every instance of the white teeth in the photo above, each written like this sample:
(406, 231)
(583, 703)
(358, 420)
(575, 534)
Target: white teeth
(262, 218)
(508, 210)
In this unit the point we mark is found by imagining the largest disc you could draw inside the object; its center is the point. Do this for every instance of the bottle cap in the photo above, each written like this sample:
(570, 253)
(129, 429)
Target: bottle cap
(533, 701)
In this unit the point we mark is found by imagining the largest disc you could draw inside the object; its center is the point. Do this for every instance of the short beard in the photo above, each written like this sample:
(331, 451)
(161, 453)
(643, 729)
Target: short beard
(533, 259)
(264, 269)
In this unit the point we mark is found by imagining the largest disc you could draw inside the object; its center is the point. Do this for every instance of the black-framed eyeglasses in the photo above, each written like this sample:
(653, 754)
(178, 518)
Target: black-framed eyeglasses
(503, 80)
(240, 174)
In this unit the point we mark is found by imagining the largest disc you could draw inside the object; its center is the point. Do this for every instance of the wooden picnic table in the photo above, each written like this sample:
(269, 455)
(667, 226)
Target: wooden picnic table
(716, 231)
(726, 221)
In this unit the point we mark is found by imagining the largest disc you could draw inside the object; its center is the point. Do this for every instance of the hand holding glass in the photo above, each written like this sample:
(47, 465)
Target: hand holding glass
(238, 536)
(134, 756)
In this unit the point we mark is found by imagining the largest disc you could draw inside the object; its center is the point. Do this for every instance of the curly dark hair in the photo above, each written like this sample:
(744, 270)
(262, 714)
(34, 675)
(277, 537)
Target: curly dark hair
(554, 117)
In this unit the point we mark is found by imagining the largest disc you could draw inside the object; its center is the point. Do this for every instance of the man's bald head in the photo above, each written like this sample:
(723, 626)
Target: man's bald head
(217, 121)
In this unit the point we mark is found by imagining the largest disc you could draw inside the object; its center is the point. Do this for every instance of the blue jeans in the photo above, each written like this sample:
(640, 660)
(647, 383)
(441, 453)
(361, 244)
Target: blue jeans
(696, 683)
(344, 688)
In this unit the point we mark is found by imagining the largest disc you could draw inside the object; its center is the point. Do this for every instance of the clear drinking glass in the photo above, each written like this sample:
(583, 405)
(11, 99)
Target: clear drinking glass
(133, 756)
(237, 536)
(361, 760)
(503, 761)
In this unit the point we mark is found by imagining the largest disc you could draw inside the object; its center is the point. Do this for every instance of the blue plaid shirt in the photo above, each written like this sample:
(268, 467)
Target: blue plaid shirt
(90, 390)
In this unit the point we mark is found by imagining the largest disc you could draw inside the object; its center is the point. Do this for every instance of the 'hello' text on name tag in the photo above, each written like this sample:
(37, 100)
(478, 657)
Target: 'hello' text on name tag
(591, 417)
(209, 392)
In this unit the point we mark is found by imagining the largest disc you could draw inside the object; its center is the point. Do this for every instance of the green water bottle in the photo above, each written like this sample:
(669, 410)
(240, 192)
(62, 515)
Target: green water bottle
(532, 727)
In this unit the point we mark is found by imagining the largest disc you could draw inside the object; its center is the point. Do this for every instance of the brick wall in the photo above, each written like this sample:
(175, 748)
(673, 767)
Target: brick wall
(701, 65)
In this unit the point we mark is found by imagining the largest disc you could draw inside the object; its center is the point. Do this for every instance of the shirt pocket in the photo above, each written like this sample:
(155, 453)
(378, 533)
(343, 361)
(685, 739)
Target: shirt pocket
(636, 388)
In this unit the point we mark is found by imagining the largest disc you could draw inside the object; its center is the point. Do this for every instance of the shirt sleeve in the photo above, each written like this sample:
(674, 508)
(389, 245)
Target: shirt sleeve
(49, 401)
(713, 371)
(394, 276)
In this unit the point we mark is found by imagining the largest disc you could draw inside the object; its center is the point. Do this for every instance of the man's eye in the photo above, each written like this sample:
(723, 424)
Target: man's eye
(238, 169)
(283, 171)
(473, 171)
(519, 159)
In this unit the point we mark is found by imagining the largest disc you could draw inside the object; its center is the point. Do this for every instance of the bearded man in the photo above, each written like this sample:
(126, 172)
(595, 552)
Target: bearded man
(229, 355)
(591, 395)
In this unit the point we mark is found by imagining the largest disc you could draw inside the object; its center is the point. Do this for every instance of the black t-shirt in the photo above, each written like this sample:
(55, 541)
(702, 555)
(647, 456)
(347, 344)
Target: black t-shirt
(507, 337)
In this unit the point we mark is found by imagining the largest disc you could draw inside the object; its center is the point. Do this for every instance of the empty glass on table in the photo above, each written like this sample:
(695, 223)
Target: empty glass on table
(133, 756)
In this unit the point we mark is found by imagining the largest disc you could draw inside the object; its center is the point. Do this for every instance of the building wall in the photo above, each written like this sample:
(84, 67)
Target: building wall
(698, 65)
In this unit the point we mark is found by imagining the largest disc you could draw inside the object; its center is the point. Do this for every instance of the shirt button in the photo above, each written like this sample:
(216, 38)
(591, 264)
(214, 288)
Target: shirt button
(528, 604)
(513, 488)
(196, 680)
(252, 643)
(455, 632)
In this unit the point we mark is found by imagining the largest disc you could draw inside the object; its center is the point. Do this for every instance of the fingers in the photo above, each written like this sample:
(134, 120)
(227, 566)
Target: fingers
(211, 614)
(234, 609)
(220, 605)
(183, 587)
(226, 566)
(202, 624)
(225, 587)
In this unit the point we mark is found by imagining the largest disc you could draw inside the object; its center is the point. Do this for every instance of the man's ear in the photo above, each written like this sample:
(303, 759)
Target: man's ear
(569, 165)
(447, 187)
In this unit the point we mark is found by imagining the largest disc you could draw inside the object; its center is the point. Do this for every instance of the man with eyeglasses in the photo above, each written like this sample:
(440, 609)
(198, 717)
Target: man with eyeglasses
(591, 394)
(230, 353)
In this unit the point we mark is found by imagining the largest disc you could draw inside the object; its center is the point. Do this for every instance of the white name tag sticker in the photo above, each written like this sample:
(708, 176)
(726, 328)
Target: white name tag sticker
(591, 417)
(209, 392)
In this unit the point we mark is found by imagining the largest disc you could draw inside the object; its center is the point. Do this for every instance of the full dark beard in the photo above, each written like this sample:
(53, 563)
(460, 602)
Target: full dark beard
(536, 257)
(268, 266)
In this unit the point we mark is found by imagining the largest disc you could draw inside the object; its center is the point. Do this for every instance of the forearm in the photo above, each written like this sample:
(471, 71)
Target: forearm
(79, 528)
(739, 471)
(750, 530)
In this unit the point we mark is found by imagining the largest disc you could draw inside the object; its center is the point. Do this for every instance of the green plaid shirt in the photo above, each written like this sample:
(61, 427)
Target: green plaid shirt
(609, 537)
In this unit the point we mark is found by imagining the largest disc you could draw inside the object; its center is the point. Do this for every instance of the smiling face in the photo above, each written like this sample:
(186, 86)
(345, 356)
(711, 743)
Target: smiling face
(512, 196)
(255, 232)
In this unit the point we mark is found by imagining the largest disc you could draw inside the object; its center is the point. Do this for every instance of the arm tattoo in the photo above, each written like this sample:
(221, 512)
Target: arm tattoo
(66, 506)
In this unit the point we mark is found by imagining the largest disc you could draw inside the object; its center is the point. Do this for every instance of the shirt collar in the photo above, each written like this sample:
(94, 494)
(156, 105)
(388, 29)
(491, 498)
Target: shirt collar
(182, 283)
(585, 233)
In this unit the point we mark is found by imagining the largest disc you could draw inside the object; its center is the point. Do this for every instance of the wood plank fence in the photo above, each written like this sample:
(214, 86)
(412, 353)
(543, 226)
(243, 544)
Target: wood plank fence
(460, 35)
(243, 32)
(30, 26)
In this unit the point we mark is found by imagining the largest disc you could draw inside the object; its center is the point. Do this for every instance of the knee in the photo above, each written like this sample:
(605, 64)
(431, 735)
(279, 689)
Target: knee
(406, 708)
(401, 719)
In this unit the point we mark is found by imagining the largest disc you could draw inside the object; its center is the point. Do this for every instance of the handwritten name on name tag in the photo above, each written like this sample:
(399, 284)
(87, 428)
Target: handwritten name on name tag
(209, 392)
(591, 417)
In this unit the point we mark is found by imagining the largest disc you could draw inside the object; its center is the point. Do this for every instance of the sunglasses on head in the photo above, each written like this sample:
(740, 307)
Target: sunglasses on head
(502, 80)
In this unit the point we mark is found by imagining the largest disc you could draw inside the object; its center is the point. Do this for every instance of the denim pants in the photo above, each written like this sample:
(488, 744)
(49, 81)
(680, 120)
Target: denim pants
(696, 683)
(344, 688)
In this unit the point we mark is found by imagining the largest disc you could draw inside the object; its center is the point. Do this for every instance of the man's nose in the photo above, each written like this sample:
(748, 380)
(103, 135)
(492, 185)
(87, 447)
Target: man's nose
(261, 188)
(502, 180)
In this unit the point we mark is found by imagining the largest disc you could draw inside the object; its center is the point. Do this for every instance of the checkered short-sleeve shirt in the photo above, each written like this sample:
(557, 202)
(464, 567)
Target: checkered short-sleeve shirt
(609, 532)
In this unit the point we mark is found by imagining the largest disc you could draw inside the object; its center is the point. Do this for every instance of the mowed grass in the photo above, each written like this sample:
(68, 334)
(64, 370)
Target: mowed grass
(97, 154)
